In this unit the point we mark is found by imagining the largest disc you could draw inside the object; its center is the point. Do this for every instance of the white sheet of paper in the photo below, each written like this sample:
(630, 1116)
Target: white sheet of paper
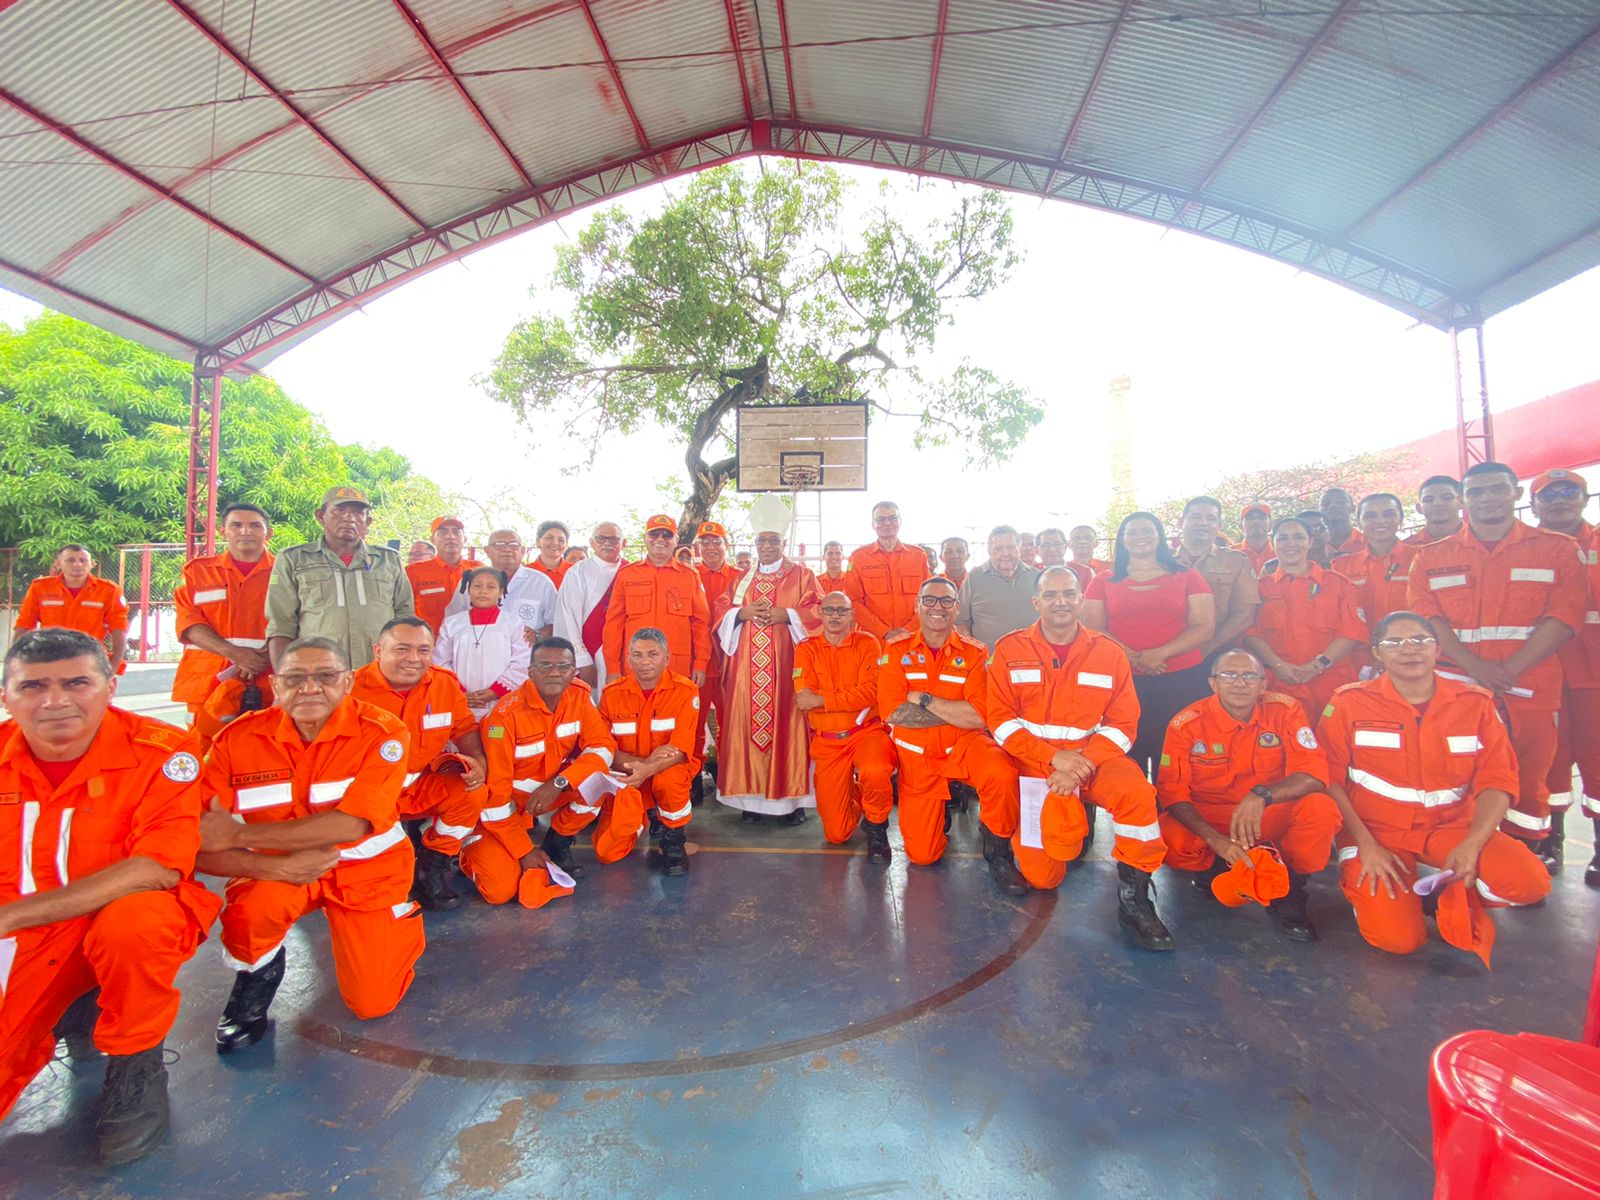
(599, 785)
(8, 955)
(1033, 793)
(559, 877)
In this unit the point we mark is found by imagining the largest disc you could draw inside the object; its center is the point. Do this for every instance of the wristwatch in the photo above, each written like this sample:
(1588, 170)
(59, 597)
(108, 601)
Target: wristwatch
(927, 699)
(1264, 792)
(562, 783)
(1323, 661)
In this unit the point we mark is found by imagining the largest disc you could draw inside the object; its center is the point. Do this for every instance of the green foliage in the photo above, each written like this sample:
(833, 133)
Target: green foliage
(94, 448)
(751, 285)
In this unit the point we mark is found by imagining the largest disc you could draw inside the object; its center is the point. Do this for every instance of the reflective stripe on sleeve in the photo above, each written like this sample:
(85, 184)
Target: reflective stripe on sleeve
(1524, 821)
(1115, 736)
(503, 812)
(376, 844)
(603, 753)
(452, 831)
(1007, 728)
(249, 643)
(1406, 795)
(410, 779)
(527, 785)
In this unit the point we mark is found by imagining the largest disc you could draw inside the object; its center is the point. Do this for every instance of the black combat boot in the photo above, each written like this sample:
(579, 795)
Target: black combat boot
(559, 847)
(76, 1027)
(133, 1107)
(655, 827)
(674, 853)
(244, 1021)
(797, 817)
(878, 850)
(431, 884)
(1002, 864)
(1290, 911)
(1551, 849)
(1136, 913)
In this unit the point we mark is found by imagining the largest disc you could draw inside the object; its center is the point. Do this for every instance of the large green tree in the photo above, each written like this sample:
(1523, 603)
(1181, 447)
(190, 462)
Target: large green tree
(94, 448)
(764, 282)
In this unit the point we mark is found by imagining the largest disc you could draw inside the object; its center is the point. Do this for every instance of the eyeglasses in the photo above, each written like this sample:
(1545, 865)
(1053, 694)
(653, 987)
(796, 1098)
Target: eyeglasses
(1561, 491)
(937, 601)
(1415, 642)
(504, 545)
(296, 680)
(1238, 676)
(660, 533)
(887, 519)
(835, 610)
(601, 539)
(769, 541)
(553, 668)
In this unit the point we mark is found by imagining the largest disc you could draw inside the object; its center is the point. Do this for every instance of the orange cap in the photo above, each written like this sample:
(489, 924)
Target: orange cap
(1558, 476)
(1462, 921)
(1259, 876)
(440, 522)
(1250, 508)
(627, 819)
(537, 888)
(1062, 827)
(661, 521)
(451, 764)
(711, 529)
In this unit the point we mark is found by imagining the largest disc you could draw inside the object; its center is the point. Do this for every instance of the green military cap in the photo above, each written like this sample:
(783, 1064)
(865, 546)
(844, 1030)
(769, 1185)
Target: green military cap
(343, 495)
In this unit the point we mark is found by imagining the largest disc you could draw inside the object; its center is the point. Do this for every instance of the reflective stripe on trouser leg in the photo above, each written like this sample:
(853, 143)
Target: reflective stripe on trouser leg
(1533, 737)
(574, 817)
(258, 914)
(454, 810)
(1510, 873)
(1119, 787)
(669, 790)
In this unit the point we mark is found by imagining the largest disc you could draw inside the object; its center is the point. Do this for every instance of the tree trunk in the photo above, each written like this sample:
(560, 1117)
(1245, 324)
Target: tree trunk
(707, 479)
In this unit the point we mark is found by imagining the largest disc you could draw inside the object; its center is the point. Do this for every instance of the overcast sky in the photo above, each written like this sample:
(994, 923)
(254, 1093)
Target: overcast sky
(1236, 361)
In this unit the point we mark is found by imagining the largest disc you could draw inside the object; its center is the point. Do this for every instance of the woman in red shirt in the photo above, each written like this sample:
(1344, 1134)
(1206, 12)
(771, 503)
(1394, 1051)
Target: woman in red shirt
(1308, 622)
(1162, 613)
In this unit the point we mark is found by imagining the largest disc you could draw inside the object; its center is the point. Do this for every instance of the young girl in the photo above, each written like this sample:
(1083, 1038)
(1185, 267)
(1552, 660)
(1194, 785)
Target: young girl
(484, 645)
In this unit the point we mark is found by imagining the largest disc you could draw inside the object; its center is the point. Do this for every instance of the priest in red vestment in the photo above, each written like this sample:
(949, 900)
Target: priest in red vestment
(763, 756)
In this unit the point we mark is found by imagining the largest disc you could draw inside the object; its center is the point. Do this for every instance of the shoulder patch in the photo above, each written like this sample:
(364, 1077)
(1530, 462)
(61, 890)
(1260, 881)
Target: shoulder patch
(1276, 698)
(883, 661)
(1328, 712)
(392, 751)
(495, 731)
(1305, 737)
(182, 767)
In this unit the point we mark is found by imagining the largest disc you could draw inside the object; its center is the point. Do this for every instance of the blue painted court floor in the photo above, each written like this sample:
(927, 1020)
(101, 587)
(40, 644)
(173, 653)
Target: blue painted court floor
(789, 1021)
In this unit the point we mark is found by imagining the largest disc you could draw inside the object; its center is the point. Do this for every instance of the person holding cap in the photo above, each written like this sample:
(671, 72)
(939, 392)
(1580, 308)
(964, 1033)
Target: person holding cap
(1256, 545)
(436, 580)
(659, 592)
(1559, 498)
(337, 587)
(551, 538)
(1502, 597)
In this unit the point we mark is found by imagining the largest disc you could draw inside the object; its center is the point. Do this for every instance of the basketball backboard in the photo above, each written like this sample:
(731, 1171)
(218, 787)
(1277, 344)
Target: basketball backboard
(810, 447)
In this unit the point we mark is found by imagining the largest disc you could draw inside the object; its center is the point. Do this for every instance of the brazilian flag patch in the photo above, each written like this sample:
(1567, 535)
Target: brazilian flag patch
(1328, 712)
(884, 661)
(1166, 760)
(495, 731)
(799, 671)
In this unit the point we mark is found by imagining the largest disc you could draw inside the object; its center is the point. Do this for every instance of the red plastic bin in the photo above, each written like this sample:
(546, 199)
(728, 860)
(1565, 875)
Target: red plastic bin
(1515, 1117)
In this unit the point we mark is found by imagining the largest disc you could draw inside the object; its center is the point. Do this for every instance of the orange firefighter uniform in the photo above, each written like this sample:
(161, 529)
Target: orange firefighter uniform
(134, 793)
(718, 587)
(850, 749)
(1040, 702)
(670, 598)
(554, 574)
(1212, 760)
(1298, 617)
(930, 758)
(435, 713)
(1494, 598)
(640, 722)
(1258, 558)
(98, 609)
(215, 593)
(262, 770)
(1578, 728)
(434, 584)
(1414, 780)
(527, 745)
(1381, 581)
(882, 584)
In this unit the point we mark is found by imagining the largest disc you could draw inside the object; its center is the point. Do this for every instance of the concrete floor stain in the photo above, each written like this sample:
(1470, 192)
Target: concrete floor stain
(486, 1153)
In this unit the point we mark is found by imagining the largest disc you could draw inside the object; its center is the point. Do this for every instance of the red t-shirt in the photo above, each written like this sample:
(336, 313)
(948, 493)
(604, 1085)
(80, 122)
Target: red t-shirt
(1145, 614)
(246, 567)
(56, 772)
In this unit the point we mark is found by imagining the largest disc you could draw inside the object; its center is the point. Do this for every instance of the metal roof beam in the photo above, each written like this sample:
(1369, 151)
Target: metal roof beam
(1092, 86)
(1543, 256)
(86, 299)
(933, 70)
(788, 62)
(616, 75)
(1472, 136)
(738, 58)
(1294, 72)
(255, 77)
(460, 90)
(87, 147)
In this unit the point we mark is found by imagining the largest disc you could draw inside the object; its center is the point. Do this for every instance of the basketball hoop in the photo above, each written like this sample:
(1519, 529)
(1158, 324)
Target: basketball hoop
(799, 476)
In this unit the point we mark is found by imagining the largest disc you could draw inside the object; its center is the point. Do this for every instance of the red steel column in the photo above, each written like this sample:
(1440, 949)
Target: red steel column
(214, 463)
(144, 603)
(191, 501)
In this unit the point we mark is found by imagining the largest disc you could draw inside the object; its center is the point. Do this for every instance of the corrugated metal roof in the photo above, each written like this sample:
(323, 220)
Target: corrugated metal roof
(219, 178)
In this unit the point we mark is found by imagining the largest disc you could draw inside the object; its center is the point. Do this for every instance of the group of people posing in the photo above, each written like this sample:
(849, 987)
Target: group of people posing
(363, 729)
